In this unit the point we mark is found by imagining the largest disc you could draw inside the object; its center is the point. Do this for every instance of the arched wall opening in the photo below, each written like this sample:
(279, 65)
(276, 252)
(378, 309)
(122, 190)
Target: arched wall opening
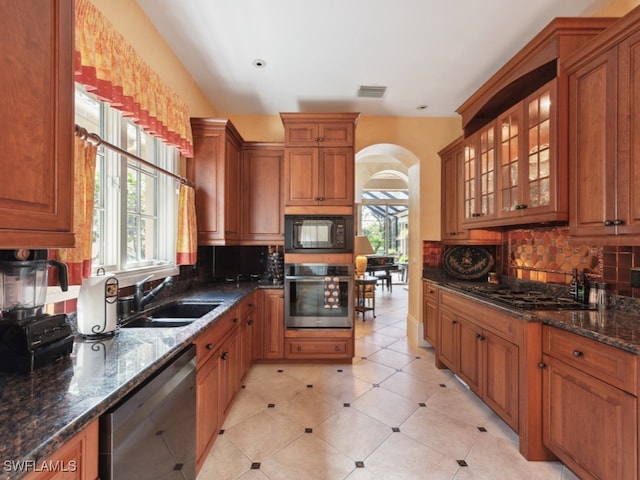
(395, 160)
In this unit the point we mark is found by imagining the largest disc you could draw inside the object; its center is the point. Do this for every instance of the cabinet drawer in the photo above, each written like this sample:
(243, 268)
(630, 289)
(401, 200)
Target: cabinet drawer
(488, 318)
(301, 348)
(609, 364)
(212, 338)
(430, 291)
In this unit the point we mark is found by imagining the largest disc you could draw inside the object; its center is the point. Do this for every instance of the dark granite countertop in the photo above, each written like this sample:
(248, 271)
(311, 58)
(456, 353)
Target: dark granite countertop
(41, 410)
(618, 327)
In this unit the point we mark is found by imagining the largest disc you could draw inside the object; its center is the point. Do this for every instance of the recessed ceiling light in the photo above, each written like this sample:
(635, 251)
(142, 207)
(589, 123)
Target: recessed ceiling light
(422, 107)
(259, 63)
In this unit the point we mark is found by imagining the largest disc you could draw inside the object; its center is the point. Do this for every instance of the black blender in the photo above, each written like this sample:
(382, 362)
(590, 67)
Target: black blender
(30, 338)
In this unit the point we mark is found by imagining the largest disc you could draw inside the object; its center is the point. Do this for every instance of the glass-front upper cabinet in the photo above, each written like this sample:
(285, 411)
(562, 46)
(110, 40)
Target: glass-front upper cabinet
(479, 176)
(527, 151)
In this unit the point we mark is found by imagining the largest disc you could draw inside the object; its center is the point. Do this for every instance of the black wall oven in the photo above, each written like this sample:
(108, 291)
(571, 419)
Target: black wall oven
(318, 295)
(318, 234)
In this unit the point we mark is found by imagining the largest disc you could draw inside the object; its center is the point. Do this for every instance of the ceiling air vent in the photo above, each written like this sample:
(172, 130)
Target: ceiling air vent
(369, 91)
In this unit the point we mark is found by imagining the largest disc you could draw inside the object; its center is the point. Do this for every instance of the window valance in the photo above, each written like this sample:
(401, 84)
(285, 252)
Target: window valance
(111, 69)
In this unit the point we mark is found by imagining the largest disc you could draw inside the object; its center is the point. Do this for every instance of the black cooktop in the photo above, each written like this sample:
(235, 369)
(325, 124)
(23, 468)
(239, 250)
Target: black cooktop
(522, 299)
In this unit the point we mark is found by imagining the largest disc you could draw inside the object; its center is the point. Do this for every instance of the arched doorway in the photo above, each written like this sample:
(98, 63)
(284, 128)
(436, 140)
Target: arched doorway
(387, 159)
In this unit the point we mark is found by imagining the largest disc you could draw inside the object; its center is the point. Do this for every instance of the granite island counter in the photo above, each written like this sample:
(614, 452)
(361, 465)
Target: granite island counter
(41, 410)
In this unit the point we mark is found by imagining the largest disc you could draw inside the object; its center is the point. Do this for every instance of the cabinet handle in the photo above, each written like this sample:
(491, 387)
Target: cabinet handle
(542, 365)
(617, 221)
(281, 296)
(453, 322)
(250, 322)
(474, 215)
(224, 356)
(321, 139)
(235, 320)
(577, 353)
(299, 349)
(479, 337)
(522, 206)
(209, 346)
(453, 233)
(337, 348)
(608, 223)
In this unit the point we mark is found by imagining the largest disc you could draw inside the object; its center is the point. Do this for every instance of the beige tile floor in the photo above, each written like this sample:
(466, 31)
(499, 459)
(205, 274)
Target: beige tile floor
(390, 414)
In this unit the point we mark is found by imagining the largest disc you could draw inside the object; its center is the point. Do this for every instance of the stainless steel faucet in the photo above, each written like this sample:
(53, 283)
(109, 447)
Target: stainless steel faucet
(140, 299)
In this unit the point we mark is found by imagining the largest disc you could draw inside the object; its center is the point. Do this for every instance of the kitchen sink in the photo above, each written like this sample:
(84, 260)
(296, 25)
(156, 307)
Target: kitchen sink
(176, 314)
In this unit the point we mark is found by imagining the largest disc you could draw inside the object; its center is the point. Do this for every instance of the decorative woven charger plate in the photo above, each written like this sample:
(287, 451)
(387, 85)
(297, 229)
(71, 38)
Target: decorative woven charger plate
(467, 263)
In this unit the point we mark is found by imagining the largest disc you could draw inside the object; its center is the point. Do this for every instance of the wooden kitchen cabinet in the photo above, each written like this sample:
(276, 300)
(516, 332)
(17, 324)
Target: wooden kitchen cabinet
(529, 182)
(273, 324)
(480, 346)
(77, 459)
(430, 312)
(36, 51)
(262, 174)
(319, 161)
(319, 345)
(215, 169)
(590, 408)
(453, 232)
(529, 171)
(479, 177)
(604, 150)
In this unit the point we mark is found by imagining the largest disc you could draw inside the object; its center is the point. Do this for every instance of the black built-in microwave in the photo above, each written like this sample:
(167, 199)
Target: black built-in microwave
(318, 234)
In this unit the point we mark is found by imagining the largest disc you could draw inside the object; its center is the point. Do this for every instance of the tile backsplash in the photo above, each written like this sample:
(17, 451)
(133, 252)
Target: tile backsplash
(545, 255)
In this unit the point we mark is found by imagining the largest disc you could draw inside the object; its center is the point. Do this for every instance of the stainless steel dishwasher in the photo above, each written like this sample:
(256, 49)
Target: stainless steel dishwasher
(151, 433)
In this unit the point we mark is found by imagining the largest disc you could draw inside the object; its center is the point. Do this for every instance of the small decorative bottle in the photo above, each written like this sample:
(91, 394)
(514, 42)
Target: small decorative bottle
(573, 286)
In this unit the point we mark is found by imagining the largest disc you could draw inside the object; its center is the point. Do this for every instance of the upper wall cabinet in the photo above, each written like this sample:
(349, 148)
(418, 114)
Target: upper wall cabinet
(515, 127)
(36, 121)
(319, 162)
(262, 194)
(453, 231)
(604, 144)
(215, 169)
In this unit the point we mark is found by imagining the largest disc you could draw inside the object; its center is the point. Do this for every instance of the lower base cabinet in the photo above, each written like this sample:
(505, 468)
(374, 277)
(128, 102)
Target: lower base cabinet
(590, 407)
(272, 324)
(304, 345)
(77, 459)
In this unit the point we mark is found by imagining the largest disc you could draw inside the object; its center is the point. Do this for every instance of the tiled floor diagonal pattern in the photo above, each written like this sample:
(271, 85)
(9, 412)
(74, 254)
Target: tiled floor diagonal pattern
(389, 415)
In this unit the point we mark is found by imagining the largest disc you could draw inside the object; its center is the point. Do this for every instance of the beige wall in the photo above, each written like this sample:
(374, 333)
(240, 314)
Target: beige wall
(129, 19)
(617, 8)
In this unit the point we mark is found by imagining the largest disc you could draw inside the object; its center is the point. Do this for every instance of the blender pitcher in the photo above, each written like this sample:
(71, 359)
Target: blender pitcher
(23, 282)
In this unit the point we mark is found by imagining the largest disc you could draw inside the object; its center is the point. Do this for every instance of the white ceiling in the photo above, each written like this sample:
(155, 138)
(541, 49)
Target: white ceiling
(317, 54)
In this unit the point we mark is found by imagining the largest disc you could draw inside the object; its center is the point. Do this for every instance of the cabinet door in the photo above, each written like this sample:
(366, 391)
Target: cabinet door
(335, 176)
(301, 134)
(471, 361)
(273, 311)
(232, 190)
(452, 162)
(541, 174)
(448, 350)
(80, 451)
(628, 179)
(592, 146)
(510, 149)
(430, 313)
(207, 407)
(36, 121)
(230, 361)
(301, 176)
(487, 173)
(262, 195)
(479, 177)
(590, 425)
(500, 383)
(336, 134)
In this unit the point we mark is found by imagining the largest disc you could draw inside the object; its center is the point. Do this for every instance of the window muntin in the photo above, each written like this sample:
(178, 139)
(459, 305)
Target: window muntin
(135, 208)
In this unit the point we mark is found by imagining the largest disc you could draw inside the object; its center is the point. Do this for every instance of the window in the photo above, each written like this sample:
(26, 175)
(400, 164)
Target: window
(134, 226)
